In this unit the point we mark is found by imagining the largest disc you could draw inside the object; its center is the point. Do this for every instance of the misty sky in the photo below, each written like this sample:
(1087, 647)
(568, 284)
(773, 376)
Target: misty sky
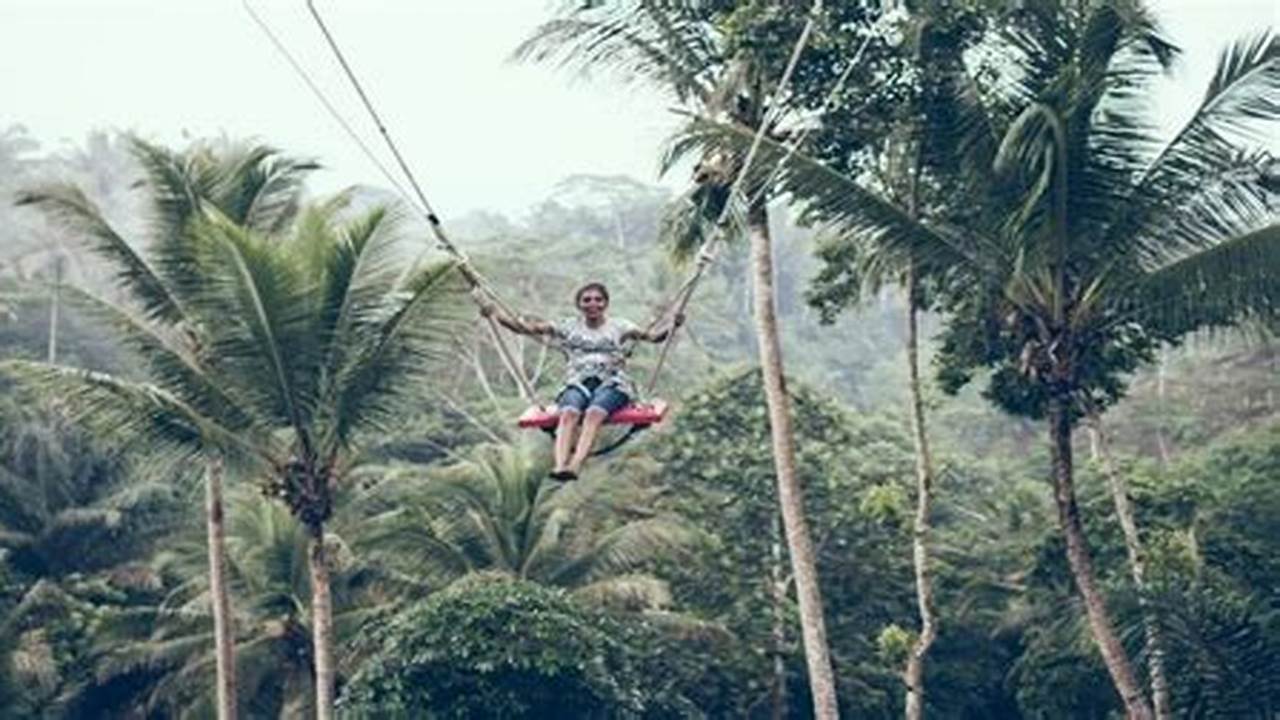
(479, 132)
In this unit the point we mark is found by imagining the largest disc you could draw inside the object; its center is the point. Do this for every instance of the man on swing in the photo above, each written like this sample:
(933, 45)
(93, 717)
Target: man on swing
(597, 385)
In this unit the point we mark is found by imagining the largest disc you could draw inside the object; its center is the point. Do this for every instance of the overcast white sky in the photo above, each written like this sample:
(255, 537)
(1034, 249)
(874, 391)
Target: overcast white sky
(479, 132)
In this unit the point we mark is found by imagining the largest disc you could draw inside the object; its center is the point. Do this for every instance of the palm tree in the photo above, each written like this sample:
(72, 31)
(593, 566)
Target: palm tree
(66, 506)
(1087, 238)
(70, 516)
(491, 511)
(254, 186)
(267, 570)
(682, 47)
(308, 345)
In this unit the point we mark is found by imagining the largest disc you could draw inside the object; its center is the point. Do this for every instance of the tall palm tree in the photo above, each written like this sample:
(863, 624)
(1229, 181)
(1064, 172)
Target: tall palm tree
(684, 49)
(491, 511)
(267, 570)
(251, 185)
(311, 343)
(1087, 238)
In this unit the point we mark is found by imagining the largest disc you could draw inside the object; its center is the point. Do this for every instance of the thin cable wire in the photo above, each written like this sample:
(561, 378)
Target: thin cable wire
(793, 145)
(387, 175)
(328, 106)
(477, 281)
(433, 220)
(351, 133)
(373, 113)
(424, 208)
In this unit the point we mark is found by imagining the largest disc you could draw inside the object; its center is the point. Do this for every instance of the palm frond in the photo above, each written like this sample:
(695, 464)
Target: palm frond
(168, 364)
(176, 185)
(260, 188)
(407, 540)
(15, 540)
(23, 507)
(1242, 97)
(630, 593)
(691, 222)
(490, 512)
(267, 548)
(663, 42)
(627, 549)
(1113, 28)
(139, 412)
(1222, 285)
(68, 206)
(961, 131)
(688, 628)
(260, 332)
(845, 206)
(360, 269)
(447, 521)
(1030, 156)
(400, 351)
(1038, 40)
(42, 595)
(256, 186)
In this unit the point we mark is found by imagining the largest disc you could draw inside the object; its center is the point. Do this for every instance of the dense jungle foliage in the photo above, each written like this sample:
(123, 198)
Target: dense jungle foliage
(369, 443)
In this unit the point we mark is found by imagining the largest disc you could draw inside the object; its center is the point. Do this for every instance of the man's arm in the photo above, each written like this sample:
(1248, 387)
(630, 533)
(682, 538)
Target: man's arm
(521, 325)
(655, 336)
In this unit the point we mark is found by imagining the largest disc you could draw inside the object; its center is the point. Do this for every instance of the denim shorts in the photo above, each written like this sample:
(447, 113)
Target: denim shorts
(606, 397)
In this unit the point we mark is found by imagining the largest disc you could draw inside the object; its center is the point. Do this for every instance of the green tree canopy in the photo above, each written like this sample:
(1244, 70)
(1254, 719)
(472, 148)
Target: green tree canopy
(494, 646)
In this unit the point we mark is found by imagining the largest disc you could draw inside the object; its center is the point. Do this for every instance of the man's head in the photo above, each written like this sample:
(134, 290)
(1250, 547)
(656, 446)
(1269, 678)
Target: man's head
(592, 299)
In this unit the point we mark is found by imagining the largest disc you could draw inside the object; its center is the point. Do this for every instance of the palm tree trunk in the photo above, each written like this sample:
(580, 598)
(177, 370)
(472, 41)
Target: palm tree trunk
(55, 298)
(1100, 624)
(1162, 442)
(321, 623)
(1138, 569)
(778, 639)
(223, 632)
(914, 674)
(790, 494)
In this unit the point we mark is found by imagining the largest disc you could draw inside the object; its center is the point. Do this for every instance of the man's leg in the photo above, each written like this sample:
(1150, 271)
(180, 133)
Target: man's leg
(590, 427)
(564, 436)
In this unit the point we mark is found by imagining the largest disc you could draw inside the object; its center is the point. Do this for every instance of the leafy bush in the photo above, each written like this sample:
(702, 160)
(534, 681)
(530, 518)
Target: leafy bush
(493, 646)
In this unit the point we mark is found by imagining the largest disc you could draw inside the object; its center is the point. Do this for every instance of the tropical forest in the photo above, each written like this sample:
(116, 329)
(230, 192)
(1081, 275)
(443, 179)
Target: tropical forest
(935, 376)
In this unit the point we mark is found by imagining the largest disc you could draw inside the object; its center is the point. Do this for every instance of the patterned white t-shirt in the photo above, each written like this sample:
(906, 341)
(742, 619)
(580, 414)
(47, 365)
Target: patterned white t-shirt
(598, 352)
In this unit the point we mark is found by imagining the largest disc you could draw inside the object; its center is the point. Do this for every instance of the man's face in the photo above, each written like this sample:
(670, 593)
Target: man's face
(592, 304)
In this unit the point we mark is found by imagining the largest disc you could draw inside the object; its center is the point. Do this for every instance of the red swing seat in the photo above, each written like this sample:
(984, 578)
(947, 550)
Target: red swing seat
(634, 414)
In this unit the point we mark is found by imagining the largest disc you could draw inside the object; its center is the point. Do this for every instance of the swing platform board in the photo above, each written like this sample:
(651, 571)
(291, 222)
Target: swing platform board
(636, 414)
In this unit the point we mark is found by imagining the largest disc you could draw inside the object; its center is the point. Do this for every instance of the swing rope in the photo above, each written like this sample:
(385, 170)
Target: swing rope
(710, 249)
(473, 277)
(793, 144)
(481, 289)
(320, 96)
